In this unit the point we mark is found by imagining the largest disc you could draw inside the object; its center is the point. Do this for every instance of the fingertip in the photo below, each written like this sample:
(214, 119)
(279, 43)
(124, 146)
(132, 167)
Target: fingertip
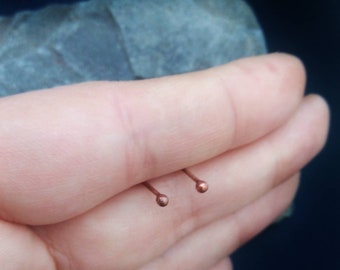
(290, 60)
(320, 112)
(290, 69)
(287, 68)
(224, 264)
(306, 132)
(267, 85)
(320, 104)
(292, 66)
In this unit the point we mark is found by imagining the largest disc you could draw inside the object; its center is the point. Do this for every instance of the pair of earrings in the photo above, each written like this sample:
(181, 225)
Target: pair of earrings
(163, 200)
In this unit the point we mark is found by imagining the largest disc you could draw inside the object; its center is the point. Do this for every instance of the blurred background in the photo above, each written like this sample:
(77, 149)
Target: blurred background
(309, 239)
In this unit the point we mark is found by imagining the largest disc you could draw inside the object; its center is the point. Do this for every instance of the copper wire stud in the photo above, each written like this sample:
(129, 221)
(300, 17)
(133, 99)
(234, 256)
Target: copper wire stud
(201, 186)
(161, 199)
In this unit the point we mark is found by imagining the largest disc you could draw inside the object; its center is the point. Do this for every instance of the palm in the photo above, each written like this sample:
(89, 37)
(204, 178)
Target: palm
(79, 189)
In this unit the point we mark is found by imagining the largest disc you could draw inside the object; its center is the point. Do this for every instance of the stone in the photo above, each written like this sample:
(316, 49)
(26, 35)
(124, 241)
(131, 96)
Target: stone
(122, 40)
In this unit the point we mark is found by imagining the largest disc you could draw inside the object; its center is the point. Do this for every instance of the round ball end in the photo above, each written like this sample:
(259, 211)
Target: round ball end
(202, 186)
(162, 200)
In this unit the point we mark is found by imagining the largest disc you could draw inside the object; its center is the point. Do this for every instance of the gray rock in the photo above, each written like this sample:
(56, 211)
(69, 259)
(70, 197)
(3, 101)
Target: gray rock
(122, 40)
(177, 36)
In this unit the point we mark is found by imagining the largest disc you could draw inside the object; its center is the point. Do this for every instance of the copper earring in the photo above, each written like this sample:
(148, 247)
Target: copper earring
(201, 186)
(163, 200)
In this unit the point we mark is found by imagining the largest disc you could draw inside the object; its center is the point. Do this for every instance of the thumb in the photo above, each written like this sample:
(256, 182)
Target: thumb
(65, 150)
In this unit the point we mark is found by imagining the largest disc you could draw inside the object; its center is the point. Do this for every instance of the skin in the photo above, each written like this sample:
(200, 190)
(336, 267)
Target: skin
(72, 159)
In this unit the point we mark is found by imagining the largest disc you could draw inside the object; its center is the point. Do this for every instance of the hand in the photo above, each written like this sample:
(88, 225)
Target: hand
(71, 159)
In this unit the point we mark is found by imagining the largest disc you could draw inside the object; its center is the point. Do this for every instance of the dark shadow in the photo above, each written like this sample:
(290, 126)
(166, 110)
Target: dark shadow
(309, 239)
(8, 8)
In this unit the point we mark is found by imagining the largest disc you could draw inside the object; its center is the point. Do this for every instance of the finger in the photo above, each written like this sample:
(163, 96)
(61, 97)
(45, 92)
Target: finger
(132, 218)
(227, 234)
(21, 249)
(65, 151)
(224, 264)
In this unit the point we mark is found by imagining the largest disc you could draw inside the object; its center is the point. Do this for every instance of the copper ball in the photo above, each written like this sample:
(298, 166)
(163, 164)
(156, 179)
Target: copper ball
(162, 200)
(202, 186)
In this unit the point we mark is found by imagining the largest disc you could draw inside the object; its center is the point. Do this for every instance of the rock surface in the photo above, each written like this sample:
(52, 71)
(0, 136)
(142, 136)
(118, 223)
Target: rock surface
(122, 40)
